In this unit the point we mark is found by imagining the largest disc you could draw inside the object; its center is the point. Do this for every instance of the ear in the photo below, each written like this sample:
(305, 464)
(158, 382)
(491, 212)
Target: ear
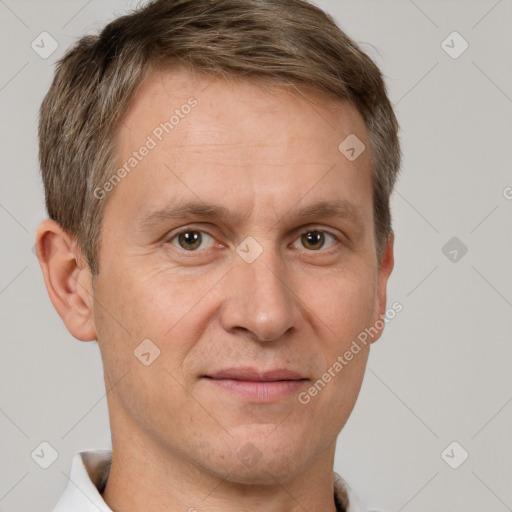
(386, 264)
(67, 278)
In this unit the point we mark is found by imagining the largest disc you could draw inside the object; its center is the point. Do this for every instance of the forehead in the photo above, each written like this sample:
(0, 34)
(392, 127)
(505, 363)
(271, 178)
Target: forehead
(225, 101)
(237, 142)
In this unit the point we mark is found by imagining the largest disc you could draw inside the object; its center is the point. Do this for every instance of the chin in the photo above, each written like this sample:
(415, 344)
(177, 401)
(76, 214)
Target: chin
(263, 460)
(267, 471)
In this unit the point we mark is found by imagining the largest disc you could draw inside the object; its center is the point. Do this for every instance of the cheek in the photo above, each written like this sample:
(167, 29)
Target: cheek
(160, 304)
(343, 302)
(342, 307)
(151, 302)
(139, 308)
(330, 399)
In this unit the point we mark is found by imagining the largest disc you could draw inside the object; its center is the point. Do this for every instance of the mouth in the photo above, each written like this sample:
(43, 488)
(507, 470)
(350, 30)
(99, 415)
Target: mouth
(258, 386)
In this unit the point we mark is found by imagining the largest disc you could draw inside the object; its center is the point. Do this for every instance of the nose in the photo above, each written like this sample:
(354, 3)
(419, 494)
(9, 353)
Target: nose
(260, 300)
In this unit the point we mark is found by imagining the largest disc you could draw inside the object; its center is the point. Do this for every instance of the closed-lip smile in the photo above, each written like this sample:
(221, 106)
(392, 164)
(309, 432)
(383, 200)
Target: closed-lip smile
(256, 385)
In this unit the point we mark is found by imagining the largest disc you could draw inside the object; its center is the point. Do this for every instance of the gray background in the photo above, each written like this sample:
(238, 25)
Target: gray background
(442, 370)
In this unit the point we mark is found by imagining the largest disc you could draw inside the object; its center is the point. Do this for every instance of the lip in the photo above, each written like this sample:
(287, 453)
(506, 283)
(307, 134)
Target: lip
(258, 386)
(253, 375)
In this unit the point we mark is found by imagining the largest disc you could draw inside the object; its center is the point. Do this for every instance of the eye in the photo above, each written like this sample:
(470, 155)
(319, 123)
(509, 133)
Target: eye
(314, 239)
(189, 239)
(192, 240)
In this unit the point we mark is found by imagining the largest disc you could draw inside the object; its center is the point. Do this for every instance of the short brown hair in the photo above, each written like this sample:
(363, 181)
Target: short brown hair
(289, 42)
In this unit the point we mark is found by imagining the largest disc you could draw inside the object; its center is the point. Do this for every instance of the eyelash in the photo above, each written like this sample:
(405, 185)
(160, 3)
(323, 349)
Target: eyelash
(336, 238)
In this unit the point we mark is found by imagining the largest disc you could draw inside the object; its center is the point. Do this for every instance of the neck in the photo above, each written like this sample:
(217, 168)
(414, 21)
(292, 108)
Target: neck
(148, 476)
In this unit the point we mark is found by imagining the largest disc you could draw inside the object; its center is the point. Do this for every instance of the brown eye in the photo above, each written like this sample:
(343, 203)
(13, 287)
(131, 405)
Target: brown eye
(313, 240)
(190, 239)
(316, 239)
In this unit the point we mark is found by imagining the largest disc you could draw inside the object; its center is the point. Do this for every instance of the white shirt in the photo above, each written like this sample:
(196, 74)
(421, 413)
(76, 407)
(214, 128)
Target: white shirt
(89, 474)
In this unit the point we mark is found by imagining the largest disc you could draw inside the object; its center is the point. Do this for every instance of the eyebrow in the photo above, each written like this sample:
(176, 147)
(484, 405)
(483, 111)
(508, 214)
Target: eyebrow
(209, 211)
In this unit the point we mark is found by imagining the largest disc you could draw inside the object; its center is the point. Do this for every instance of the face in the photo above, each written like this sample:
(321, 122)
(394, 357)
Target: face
(218, 250)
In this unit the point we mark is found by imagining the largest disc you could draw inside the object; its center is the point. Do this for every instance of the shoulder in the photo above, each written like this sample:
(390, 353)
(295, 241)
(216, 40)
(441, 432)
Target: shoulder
(89, 471)
(346, 495)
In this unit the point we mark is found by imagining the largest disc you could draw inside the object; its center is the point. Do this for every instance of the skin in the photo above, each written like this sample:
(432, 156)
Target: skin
(262, 153)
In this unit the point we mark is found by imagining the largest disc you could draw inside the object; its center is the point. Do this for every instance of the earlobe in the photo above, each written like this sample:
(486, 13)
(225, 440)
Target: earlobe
(67, 279)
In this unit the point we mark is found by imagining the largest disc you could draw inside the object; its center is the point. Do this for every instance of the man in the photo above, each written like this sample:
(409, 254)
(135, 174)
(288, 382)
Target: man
(217, 178)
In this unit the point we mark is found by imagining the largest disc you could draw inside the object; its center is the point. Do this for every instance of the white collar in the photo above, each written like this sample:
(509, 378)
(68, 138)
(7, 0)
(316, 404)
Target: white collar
(90, 470)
